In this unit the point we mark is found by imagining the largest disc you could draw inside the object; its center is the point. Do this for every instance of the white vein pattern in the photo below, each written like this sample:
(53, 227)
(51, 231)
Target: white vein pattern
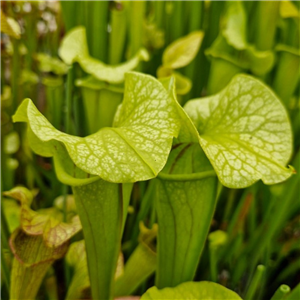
(138, 145)
(245, 132)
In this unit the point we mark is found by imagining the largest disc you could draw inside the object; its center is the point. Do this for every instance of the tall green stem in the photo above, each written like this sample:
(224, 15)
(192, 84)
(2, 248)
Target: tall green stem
(102, 208)
(195, 23)
(118, 33)
(69, 13)
(255, 282)
(99, 36)
(281, 292)
(137, 11)
(69, 101)
(159, 7)
(177, 20)
(266, 24)
(15, 74)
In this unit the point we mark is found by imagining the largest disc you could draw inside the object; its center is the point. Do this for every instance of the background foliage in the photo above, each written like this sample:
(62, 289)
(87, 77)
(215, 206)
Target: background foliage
(257, 225)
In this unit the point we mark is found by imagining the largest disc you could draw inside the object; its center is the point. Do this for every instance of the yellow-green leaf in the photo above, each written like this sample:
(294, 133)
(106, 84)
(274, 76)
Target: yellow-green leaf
(245, 132)
(235, 24)
(203, 290)
(288, 9)
(181, 52)
(10, 26)
(136, 148)
(47, 222)
(51, 64)
(74, 49)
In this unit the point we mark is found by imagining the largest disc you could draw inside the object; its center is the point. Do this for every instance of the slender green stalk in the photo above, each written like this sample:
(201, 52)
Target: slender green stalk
(236, 220)
(87, 12)
(266, 24)
(213, 264)
(277, 221)
(136, 25)
(31, 40)
(99, 35)
(146, 202)
(196, 15)
(255, 282)
(252, 222)
(213, 27)
(281, 292)
(118, 33)
(177, 20)
(195, 23)
(228, 207)
(159, 13)
(67, 271)
(5, 272)
(68, 107)
(15, 75)
(69, 13)
(65, 188)
(4, 226)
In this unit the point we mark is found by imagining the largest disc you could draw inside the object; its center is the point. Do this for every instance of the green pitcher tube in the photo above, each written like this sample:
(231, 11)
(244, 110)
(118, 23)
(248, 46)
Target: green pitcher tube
(102, 207)
(185, 207)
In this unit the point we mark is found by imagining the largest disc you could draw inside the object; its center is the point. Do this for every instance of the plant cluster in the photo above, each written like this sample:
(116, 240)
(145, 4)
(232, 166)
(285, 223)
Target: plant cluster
(160, 152)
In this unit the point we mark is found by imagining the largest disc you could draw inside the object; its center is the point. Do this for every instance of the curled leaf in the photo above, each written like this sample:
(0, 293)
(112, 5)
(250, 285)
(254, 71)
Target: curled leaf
(245, 132)
(183, 84)
(249, 58)
(47, 222)
(136, 148)
(74, 45)
(74, 49)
